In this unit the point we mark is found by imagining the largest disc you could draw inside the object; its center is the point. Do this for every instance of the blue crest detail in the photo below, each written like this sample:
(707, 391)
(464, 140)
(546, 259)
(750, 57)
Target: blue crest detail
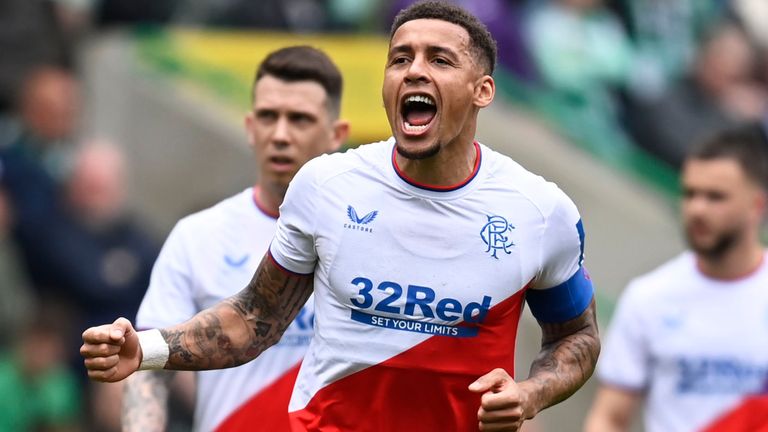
(236, 262)
(494, 235)
(362, 221)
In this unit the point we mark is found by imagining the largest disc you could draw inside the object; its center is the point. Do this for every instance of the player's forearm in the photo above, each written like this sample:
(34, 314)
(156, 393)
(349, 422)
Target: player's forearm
(145, 401)
(567, 359)
(240, 328)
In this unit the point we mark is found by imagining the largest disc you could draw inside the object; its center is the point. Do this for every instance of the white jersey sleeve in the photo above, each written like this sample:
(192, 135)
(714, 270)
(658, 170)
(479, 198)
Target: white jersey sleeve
(562, 290)
(625, 359)
(293, 246)
(562, 245)
(169, 298)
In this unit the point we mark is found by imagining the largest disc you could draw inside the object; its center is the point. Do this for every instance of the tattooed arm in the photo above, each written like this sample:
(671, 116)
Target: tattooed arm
(567, 359)
(145, 401)
(241, 327)
(229, 334)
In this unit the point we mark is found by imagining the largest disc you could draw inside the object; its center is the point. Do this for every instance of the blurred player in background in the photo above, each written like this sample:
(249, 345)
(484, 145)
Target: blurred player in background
(211, 254)
(688, 339)
(421, 251)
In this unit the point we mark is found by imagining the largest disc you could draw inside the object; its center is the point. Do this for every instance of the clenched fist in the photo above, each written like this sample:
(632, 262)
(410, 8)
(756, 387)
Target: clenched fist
(503, 403)
(111, 351)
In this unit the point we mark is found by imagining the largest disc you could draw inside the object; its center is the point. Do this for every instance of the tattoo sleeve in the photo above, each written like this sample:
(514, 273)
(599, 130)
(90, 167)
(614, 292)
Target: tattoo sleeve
(567, 359)
(145, 401)
(241, 327)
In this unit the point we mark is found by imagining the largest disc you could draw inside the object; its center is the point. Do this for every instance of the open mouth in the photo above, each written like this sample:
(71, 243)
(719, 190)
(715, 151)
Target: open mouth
(281, 162)
(418, 112)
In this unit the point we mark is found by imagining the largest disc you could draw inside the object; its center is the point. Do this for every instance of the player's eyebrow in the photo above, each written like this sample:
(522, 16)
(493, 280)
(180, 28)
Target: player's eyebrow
(400, 49)
(431, 50)
(437, 49)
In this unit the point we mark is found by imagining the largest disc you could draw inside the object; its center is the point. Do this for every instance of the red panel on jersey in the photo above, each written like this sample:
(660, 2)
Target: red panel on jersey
(423, 388)
(267, 410)
(750, 416)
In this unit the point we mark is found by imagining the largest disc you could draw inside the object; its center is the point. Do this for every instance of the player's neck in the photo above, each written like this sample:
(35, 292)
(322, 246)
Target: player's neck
(738, 262)
(268, 199)
(452, 165)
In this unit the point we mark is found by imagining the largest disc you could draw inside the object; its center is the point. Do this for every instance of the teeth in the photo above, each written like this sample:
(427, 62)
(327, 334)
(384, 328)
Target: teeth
(411, 128)
(419, 98)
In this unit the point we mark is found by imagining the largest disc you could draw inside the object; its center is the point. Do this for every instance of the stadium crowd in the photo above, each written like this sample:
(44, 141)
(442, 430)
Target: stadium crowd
(618, 74)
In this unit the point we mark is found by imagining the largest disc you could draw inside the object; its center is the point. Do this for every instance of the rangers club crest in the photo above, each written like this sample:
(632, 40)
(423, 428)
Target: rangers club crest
(495, 237)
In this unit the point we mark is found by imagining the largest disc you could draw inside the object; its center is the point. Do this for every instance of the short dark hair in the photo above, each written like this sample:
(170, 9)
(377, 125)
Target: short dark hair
(304, 63)
(747, 144)
(482, 44)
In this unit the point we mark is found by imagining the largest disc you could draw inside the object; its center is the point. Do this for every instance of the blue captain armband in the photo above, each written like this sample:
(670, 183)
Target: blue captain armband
(563, 302)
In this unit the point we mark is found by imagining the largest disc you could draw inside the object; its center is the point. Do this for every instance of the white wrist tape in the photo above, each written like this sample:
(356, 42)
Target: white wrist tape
(154, 348)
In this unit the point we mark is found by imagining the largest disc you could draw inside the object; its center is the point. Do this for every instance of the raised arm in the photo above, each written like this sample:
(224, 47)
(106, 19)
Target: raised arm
(229, 334)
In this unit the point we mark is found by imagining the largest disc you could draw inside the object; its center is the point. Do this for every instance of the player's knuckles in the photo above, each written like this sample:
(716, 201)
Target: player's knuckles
(99, 350)
(501, 416)
(499, 401)
(101, 363)
(97, 335)
(105, 350)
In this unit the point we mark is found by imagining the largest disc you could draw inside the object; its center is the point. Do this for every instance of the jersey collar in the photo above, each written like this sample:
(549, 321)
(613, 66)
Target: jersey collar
(434, 188)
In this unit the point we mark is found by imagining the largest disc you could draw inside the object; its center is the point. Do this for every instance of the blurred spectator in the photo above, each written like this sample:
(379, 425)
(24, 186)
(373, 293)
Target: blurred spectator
(15, 289)
(37, 391)
(33, 149)
(584, 57)
(355, 15)
(580, 47)
(45, 118)
(99, 256)
(98, 253)
(292, 15)
(34, 33)
(666, 35)
(720, 91)
(116, 12)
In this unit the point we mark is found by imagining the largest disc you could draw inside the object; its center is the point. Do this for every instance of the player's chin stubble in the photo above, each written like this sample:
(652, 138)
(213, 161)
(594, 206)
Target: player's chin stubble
(717, 248)
(419, 154)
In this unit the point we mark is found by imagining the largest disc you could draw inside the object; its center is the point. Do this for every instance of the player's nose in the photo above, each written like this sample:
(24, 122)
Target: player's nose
(281, 133)
(417, 70)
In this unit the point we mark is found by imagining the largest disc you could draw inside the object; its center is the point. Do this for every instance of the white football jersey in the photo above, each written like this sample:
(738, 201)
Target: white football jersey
(418, 289)
(209, 256)
(695, 345)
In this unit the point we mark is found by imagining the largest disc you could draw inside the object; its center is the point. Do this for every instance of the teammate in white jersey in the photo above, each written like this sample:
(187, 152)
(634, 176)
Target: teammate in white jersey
(689, 338)
(210, 255)
(421, 250)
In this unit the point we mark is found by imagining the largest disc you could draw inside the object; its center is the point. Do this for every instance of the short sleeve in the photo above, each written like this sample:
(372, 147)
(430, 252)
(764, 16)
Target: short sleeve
(293, 246)
(625, 356)
(562, 244)
(563, 289)
(169, 299)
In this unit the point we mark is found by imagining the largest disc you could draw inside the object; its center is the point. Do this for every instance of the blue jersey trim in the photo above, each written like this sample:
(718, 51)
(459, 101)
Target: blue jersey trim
(563, 302)
(580, 229)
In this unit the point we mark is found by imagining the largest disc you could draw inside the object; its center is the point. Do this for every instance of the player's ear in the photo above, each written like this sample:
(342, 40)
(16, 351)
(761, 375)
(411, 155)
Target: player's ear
(340, 134)
(250, 128)
(485, 89)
